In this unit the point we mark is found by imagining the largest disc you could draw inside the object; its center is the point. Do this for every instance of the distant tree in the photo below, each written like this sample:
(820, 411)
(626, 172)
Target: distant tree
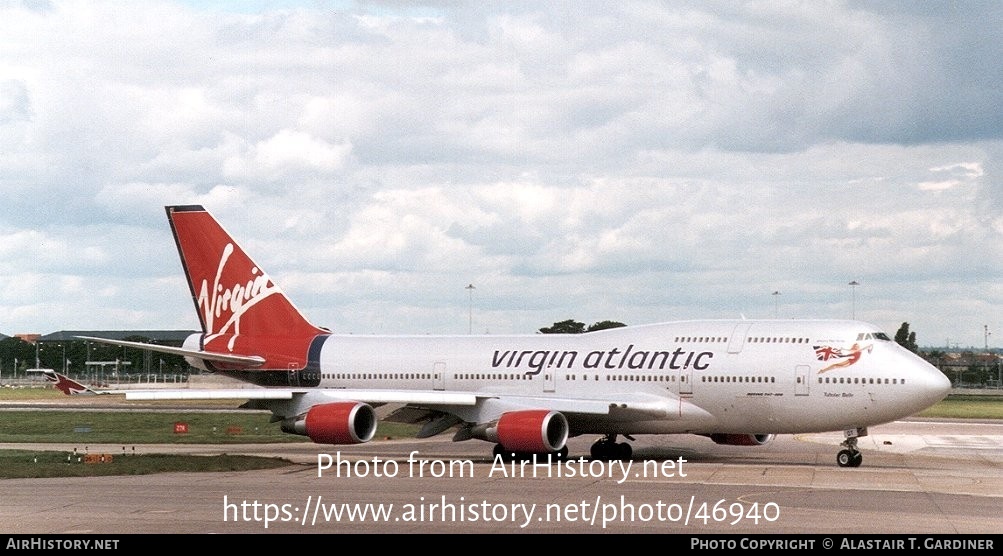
(906, 339)
(572, 326)
(569, 326)
(605, 324)
(14, 349)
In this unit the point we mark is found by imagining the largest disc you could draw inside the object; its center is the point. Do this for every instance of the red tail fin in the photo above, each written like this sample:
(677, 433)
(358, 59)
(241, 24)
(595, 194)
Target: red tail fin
(242, 311)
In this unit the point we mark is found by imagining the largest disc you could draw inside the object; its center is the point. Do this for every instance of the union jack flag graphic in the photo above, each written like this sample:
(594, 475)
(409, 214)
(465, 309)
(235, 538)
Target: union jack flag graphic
(825, 353)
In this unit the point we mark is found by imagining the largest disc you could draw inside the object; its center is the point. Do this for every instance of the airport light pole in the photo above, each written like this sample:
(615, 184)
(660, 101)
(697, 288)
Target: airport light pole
(853, 295)
(470, 291)
(999, 371)
(776, 304)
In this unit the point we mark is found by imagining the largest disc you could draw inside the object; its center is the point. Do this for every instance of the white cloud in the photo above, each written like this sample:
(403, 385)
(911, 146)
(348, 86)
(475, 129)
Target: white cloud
(287, 155)
(645, 159)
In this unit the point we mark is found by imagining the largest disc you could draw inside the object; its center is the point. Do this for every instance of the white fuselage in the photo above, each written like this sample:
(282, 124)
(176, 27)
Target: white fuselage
(686, 377)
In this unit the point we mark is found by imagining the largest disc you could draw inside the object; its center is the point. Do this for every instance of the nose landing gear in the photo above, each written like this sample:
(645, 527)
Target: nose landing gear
(850, 456)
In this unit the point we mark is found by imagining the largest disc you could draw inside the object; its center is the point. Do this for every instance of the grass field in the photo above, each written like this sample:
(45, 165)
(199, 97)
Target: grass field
(19, 394)
(967, 407)
(145, 427)
(8, 394)
(19, 464)
(139, 427)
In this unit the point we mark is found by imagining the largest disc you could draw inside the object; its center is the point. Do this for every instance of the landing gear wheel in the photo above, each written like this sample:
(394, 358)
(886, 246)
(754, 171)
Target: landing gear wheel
(845, 458)
(607, 448)
(850, 456)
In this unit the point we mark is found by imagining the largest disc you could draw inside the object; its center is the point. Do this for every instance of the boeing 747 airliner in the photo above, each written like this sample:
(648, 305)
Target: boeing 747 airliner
(735, 381)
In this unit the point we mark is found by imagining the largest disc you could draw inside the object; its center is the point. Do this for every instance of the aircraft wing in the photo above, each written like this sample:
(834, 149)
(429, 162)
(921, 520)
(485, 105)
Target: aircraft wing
(376, 397)
(481, 407)
(624, 407)
(471, 406)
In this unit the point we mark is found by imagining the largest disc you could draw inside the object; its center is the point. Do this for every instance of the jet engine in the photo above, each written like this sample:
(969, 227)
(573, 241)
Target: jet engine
(335, 423)
(741, 439)
(530, 431)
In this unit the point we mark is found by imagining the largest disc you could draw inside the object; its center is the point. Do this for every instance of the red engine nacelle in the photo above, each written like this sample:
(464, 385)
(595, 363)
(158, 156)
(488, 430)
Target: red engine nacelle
(533, 431)
(741, 439)
(335, 423)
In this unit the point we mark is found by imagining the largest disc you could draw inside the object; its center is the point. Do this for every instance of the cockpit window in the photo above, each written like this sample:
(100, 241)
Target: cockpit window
(873, 336)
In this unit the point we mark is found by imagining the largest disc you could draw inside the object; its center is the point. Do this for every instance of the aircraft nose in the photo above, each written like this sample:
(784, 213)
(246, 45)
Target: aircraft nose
(943, 385)
(936, 385)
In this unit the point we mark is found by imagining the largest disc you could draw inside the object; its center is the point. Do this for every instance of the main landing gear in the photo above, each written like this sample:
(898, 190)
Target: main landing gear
(850, 456)
(607, 448)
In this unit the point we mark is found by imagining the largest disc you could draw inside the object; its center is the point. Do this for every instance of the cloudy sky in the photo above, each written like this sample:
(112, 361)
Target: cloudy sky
(631, 161)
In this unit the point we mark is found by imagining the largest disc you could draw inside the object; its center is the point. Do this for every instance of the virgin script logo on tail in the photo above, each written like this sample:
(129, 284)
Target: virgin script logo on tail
(231, 303)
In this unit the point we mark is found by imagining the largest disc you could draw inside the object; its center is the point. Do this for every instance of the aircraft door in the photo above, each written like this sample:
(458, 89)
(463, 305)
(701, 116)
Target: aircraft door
(549, 380)
(801, 385)
(686, 381)
(738, 336)
(439, 375)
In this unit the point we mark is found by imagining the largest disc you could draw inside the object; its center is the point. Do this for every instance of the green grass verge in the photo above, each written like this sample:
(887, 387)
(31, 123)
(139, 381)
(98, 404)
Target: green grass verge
(20, 464)
(139, 427)
(144, 427)
(47, 393)
(966, 407)
(14, 394)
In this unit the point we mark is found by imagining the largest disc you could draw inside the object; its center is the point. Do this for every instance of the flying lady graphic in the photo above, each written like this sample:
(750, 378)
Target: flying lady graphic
(843, 357)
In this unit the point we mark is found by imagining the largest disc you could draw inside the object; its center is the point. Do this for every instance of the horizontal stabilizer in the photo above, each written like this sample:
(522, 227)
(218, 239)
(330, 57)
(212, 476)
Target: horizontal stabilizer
(246, 360)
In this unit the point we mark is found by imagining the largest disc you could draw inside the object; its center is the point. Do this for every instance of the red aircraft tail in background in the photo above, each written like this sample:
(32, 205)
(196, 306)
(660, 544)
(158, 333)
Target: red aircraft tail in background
(66, 384)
